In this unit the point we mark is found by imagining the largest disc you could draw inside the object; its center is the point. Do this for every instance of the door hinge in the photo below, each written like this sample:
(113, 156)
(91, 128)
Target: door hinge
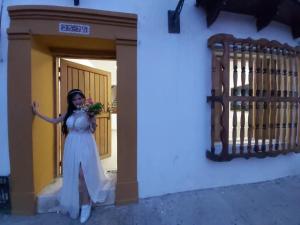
(59, 69)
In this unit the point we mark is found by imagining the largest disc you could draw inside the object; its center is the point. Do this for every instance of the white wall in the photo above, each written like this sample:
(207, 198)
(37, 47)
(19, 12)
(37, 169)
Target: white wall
(173, 82)
(4, 157)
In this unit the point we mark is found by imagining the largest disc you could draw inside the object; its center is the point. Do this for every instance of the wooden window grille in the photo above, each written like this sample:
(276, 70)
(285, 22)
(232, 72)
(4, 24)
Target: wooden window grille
(254, 98)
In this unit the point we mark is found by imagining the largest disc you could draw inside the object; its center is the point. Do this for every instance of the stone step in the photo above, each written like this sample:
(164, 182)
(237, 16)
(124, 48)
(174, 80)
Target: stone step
(47, 199)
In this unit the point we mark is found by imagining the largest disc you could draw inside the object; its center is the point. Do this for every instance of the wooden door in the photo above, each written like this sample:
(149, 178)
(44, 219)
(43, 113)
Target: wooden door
(95, 83)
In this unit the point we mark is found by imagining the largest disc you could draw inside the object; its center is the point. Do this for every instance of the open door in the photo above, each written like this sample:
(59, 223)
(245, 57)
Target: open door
(95, 83)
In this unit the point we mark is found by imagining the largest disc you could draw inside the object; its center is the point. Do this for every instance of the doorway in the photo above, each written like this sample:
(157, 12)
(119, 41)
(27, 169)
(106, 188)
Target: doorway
(98, 81)
(35, 41)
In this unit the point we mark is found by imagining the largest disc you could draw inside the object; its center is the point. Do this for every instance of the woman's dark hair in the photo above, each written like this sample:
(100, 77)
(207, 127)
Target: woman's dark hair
(71, 107)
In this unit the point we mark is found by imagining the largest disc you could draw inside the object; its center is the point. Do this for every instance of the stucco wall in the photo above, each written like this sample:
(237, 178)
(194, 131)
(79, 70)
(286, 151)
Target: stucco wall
(173, 82)
(43, 133)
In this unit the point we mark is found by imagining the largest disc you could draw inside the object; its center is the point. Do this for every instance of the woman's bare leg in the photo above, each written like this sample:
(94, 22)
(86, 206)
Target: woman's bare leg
(83, 191)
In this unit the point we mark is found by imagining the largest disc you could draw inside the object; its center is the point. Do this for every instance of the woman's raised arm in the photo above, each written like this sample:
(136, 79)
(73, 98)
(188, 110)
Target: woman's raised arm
(50, 120)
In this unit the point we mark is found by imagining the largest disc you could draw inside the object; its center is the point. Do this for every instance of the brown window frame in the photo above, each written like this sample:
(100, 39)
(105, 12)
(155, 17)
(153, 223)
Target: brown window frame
(262, 96)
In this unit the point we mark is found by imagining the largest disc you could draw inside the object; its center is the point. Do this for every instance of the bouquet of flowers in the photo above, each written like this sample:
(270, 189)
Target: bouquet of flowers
(92, 108)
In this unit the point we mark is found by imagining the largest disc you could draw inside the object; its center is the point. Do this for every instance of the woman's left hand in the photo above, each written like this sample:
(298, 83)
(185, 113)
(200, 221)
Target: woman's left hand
(91, 114)
(93, 124)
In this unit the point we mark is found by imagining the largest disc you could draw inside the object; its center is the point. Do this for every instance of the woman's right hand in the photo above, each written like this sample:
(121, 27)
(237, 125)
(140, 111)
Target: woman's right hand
(35, 106)
(35, 111)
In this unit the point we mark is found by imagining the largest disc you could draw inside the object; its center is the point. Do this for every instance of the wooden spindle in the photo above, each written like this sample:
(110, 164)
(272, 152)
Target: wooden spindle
(266, 88)
(285, 105)
(259, 76)
(257, 127)
(296, 74)
(297, 132)
(295, 95)
(273, 104)
(225, 73)
(285, 71)
(295, 125)
(278, 104)
(278, 125)
(243, 69)
(273, 89)
(291, 74)
(288, 125)
(250, 92)
(235, 70)
(242, 130)
(292, 124)
(298, 105)
(279, 73)
(258, 84)
(291, 104)
(234, 127)
(243, 103)
(216, 91)
(234, 93)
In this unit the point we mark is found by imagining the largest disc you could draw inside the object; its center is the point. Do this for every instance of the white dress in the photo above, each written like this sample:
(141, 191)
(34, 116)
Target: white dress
(80, 148)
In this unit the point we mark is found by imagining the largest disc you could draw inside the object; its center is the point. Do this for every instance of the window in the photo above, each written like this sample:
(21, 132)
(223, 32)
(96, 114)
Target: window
(254, 98)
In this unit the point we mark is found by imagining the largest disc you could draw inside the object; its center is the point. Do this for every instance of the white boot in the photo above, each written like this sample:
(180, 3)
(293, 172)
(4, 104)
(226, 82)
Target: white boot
(85, 213)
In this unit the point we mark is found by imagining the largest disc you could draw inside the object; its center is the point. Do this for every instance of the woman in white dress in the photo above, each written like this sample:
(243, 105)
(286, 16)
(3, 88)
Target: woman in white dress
(84, 181)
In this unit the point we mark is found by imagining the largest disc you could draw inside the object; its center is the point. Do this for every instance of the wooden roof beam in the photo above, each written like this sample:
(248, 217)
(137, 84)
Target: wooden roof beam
(266, 12)
(296, 30)
(212, 9)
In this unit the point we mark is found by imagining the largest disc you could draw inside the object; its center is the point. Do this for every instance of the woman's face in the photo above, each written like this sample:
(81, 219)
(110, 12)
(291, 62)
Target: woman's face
(78, 100)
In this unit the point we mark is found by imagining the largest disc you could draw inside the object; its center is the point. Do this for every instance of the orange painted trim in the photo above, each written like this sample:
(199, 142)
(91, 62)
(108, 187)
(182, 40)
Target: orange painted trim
(29, 21)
